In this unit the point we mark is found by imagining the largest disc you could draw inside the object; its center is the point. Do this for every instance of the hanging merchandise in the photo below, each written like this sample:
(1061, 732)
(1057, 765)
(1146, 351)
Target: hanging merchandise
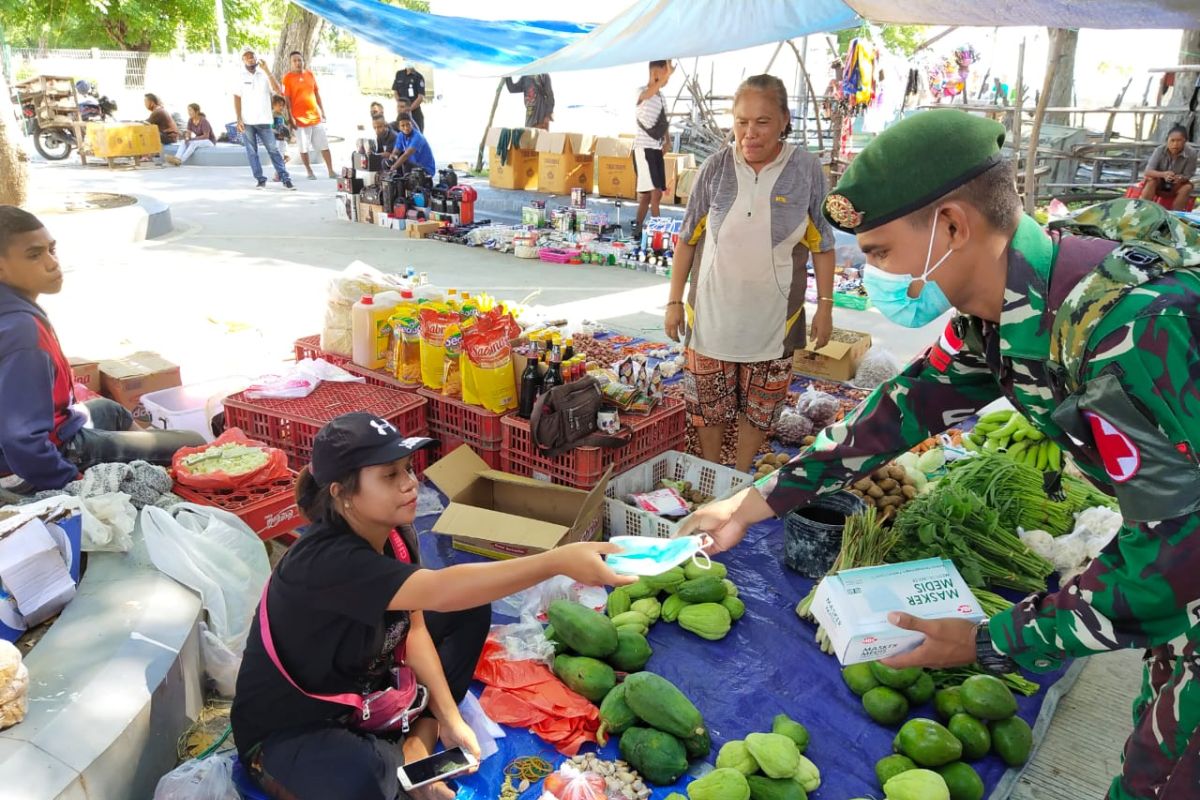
(858, 83)
(964, 56)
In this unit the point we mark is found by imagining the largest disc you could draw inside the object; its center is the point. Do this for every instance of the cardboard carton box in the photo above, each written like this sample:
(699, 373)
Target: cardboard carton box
(419, 230)
(520, 169)
(498, 515)
(87, 373)
(370, 213)
(565, 162)
(684, 182)
(614, 168)
(836, 361)
(674, 164)
(125, 380)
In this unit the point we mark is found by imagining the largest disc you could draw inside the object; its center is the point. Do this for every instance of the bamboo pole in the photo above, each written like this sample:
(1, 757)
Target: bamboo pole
(1019, 101)
(1030, 186)
(811, 94)
(488, 127)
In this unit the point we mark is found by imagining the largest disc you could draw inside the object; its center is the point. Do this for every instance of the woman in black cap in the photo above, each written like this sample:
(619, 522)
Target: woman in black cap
(352, 611)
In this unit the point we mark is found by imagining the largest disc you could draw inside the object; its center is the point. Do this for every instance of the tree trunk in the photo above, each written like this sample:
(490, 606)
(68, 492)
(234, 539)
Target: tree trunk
(13, 175)
(300, 31)
(1185, 83)
(1063, 42)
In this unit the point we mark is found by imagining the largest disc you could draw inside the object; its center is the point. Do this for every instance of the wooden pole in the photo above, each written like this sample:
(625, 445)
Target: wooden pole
(491, 119)
(1056, 54)
(774, 56)
(811, 94)
(1019, 102)
(935, 38)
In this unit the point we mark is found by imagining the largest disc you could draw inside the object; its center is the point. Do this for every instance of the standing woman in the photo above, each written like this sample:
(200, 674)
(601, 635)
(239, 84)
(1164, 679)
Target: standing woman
(349, 606)
(753, 217)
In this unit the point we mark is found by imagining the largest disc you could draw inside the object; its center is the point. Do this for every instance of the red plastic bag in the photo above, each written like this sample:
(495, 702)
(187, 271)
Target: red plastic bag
(570, 783)
(274, 468)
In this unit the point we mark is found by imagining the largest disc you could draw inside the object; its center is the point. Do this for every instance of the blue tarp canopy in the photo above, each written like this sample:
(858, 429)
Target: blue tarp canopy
(653, 29)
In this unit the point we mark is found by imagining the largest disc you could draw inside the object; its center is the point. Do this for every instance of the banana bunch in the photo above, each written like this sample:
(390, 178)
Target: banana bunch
(1010, 433)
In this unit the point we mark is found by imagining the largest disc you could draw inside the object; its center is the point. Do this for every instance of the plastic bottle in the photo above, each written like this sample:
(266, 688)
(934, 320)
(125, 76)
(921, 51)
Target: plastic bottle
(363, 332)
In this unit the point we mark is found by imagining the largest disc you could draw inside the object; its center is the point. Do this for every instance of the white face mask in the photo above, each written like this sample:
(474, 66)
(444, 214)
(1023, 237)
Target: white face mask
(647, 555)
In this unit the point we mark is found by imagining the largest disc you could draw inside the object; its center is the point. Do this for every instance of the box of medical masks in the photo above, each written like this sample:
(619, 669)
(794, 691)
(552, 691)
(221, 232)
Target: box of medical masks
(853, 606)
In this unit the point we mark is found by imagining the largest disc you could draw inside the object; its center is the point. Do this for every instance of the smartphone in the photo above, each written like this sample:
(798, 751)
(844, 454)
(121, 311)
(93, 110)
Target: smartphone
(436, 768)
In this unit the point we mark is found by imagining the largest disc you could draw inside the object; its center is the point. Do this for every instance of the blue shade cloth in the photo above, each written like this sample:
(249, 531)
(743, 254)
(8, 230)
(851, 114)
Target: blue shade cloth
(767, 665)
(443, 41)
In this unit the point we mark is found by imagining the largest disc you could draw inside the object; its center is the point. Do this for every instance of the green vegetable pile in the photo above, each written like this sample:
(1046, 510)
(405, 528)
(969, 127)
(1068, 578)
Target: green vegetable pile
(701, 600)
(231, 458)
(763, 766)
(979, 717)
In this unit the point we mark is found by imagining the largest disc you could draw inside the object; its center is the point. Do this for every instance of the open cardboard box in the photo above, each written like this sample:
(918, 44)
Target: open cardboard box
(520, 168)
(614, 168)
(836, 361)
(498, 515)
(565, 162)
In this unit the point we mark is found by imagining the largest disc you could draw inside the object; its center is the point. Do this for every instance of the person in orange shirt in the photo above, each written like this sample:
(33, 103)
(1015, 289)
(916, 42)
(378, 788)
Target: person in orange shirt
(308, 113)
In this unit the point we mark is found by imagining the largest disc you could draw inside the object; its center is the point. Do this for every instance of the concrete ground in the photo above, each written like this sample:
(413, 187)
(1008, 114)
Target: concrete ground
(244, 274)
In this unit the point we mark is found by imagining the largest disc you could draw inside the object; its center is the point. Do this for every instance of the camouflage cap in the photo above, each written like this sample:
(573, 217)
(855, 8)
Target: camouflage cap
(911, 164)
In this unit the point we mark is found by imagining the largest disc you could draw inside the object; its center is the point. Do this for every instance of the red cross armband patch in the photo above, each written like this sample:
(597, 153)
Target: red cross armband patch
(946, 348)
(1121, 457)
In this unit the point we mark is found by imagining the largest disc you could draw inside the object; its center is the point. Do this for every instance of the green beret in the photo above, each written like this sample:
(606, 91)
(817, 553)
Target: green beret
(911, 164)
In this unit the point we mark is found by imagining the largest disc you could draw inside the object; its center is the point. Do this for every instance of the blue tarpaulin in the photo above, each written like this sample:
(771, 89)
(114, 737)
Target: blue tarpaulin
(767, 665)
(444, 41)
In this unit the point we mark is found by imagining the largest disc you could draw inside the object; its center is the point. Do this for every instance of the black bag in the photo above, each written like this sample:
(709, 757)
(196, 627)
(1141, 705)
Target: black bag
(660, 127)
(565, 418)
(371, 195)
(389, 193)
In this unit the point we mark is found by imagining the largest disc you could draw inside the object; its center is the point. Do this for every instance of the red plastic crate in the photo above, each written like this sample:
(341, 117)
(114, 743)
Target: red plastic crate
(291, 425)
(453, 419)
(448, 444)
(310, 347)
(662, 430)
(269, 510)
(376, 377)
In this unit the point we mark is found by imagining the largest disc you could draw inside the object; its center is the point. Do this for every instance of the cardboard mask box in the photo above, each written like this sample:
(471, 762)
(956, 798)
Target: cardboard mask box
(126, 380)
(87, 373)
(836, 361)
(853, 606)
(615, 176)
(498, 515)
(419, 230)
(565, 162)
(520, 169)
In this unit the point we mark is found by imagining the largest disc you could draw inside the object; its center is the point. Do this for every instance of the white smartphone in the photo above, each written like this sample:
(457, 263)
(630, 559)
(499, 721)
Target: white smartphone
(436, 768)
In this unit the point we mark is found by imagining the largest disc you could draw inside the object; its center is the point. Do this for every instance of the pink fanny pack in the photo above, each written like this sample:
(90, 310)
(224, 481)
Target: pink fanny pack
(392, 709)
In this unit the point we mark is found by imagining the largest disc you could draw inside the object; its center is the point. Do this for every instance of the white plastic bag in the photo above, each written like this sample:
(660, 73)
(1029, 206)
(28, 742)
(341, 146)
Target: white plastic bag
(525, 641)
(534, 601)
(215, 554)
(210, 779)
(299, 381)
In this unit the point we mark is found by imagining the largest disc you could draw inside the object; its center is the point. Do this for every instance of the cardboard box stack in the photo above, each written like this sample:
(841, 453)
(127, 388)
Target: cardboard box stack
(836, 361)
(520, 167)
(87, 373)
(565, 162)
(614, 167)
(125, 380)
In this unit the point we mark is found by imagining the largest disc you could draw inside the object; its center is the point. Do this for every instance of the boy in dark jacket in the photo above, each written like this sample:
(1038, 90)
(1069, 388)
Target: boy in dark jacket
(46, 438)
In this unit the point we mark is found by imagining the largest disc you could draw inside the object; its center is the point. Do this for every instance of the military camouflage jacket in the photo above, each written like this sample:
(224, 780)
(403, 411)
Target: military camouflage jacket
(1133, 428)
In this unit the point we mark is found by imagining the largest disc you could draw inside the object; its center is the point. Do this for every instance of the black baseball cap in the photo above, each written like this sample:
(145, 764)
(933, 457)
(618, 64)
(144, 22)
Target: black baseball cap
(353, 441)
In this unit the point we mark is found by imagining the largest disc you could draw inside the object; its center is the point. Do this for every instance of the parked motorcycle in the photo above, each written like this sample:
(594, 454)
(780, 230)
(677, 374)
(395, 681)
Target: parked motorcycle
(55, 140)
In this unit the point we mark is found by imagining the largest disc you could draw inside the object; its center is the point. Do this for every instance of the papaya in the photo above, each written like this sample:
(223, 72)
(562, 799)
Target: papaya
(692, 570)
(735, 607)
(703, 590)
(895, 678)
(928, 743)
(720, 784)
(885, 705)
(559, 646)
(648, 606)
(707, 620)
(633, 651)
(859, 678)
(763, 788)
(986, 697)
(948, 702)
(698, 746)
(785, 725)
(921, 691)
(658, 756)
(584, 631)
(671, 608)
(591, 678)
(735, 755)
(661, 705)
(618, 602)
(1012, 740)
(974, 735)
(963, 782)
(615, 715)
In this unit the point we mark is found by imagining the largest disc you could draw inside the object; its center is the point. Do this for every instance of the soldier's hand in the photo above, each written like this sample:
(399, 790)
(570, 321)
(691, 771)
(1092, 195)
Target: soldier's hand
(948, 642)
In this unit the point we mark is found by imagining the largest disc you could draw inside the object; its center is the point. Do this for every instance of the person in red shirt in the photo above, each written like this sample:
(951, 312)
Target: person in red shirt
(46, 438)
(308, 113)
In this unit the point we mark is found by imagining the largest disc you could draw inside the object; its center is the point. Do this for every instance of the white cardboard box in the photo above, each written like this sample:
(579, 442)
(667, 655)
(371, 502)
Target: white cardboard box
(853, 606)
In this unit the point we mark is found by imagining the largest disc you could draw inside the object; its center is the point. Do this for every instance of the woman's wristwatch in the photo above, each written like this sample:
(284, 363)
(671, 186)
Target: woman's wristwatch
(986, 654)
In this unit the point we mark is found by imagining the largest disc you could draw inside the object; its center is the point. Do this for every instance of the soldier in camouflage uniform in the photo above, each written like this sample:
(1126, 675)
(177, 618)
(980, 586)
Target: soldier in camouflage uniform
(1115, 381)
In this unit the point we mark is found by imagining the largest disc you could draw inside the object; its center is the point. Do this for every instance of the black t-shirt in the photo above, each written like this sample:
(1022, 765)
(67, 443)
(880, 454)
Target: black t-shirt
(327, 602)
(386, 142)
(409, 85)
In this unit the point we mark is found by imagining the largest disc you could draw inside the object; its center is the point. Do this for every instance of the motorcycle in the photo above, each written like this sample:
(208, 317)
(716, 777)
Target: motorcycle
(55, 141)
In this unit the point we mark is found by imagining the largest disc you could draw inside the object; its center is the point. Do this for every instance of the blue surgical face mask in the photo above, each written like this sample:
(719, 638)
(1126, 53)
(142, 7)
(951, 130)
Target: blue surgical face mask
(889, 292)
(646, 555)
